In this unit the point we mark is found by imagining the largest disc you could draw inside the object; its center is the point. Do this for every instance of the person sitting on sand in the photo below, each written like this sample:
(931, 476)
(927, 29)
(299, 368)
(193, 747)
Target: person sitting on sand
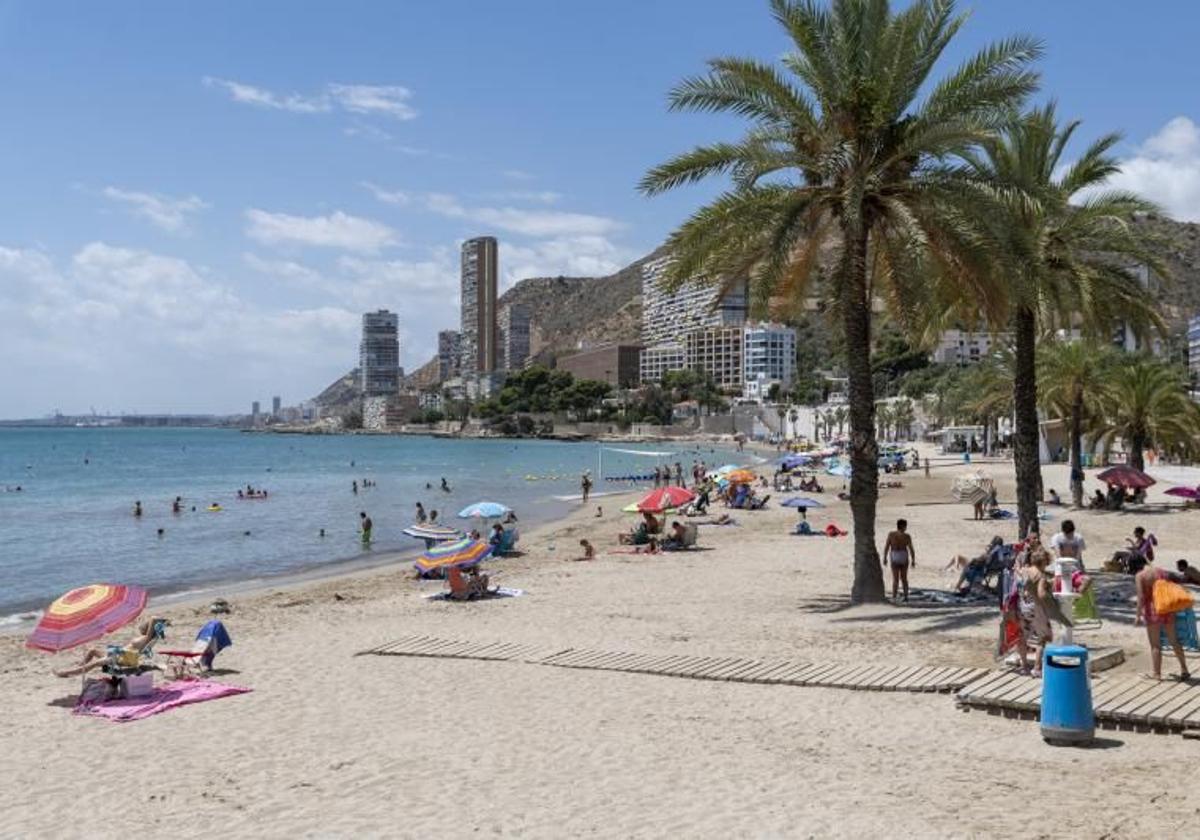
(653, 525)
(677, 539)
(497, 536)
(1138, 553)
(1052, 497)
(128, 656)
(589, 553)
(1097, 502)
(1187, 573)
(1157, 624)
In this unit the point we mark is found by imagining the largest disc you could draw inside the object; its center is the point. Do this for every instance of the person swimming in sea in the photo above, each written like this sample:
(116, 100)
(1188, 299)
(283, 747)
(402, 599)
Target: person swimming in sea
(354, 487)
(177, 505)
(137, 508)
(445, 486)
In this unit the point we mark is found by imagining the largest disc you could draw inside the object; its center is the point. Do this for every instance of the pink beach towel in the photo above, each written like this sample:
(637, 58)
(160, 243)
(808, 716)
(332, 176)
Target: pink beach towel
(167, 696)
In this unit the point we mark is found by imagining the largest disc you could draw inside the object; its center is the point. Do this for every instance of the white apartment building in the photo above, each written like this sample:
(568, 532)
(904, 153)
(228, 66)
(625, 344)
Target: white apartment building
(769, 357)
(512, 330)
(667, 316)
(965, 347)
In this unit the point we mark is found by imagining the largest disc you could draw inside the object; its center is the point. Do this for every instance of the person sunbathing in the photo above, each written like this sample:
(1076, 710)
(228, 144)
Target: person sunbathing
(128, 656)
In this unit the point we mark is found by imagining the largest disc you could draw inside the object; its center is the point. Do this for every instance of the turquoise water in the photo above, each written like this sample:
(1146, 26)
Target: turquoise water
(72, 523)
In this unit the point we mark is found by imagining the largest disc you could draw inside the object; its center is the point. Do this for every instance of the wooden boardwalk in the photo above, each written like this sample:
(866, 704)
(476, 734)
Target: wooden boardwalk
(909, 678)
(1121, 702)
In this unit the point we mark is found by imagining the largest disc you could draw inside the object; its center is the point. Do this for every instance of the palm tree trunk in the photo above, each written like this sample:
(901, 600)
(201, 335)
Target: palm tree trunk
(1137, 447)
(1077, 448)
(1025, 439)
(864, 451)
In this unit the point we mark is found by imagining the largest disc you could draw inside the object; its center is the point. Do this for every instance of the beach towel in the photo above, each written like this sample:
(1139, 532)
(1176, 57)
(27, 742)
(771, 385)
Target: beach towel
(215, 638)
(832, 530)
(165, 697)
(498, 592)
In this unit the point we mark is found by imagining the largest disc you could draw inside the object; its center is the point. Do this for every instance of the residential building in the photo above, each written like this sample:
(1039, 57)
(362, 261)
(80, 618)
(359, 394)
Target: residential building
(449, 354)
(656, 361)
(965, 347)
(616, 364)
(718, 351)
(512, 336)
(1193, 342)
(379, 354)
(479, 282)
(276, 405)
(769, 357)
(254, 411)
(666, 316)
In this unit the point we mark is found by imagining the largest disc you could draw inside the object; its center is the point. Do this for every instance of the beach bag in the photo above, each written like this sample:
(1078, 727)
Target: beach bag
(1185, 631)
(1170, 598)
(1010, 634)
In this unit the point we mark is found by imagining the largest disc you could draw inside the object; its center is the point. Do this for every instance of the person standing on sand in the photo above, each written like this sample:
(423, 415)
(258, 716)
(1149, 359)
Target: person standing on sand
(367, 525)
(678, 474)
(899, 553)
(585, 485)
(1156, 624)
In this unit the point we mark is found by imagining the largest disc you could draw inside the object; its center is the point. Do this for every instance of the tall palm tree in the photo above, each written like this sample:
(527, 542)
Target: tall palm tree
(1070, 257)
(904, 417)
(1068, 374)
(1144, 403)
(850, 143)
(987, 390)
(884, 417)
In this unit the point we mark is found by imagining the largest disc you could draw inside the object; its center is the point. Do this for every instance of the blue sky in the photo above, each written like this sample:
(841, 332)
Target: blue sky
(198, 200)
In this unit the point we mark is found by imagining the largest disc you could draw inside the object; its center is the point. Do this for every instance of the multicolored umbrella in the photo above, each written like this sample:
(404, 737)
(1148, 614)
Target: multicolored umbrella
(801, 502)
(665, 498)
(1190, 493)
(433, 531)
(972, 488)
(741, 477)
(86, 614)
(485, 510)
(1126, 476)
(461, 553)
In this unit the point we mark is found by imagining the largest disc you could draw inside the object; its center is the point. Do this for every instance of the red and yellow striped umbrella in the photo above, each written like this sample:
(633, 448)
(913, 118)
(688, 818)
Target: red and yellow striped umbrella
(461, 553)
(86, 613)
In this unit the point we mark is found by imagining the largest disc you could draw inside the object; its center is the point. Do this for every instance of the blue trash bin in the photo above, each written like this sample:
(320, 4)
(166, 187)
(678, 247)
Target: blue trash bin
(1067, 716)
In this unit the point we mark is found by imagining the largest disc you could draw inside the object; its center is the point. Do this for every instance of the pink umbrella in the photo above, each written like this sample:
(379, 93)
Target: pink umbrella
(1190, 493)
(1126, 476)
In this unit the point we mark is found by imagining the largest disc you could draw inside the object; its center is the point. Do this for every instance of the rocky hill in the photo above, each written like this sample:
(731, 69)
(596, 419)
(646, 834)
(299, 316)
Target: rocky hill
(1181, 253)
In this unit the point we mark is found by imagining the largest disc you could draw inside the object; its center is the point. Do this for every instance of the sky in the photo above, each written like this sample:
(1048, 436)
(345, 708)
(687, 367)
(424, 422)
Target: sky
(199, 201)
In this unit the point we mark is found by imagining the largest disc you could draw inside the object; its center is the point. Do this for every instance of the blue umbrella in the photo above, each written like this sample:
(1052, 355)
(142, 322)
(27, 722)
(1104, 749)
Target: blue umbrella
(485, 510)
(801, 502)
(790, 462)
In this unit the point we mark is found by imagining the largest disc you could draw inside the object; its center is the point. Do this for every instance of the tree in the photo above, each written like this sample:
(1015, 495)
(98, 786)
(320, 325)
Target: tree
(1145, 403)
(903, 417)
(884, 417)
(1065, 255)
(1069, 372)
(840, 148)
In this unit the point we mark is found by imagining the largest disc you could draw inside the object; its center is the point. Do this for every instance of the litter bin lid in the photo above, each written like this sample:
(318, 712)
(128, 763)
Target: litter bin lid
(1066, 650)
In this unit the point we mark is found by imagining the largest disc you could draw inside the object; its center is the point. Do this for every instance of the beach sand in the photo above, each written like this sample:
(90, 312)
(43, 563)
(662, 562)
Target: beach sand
(333, 745)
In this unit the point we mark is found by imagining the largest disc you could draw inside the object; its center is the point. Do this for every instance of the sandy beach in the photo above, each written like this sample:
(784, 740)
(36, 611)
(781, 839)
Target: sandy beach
(333, 745)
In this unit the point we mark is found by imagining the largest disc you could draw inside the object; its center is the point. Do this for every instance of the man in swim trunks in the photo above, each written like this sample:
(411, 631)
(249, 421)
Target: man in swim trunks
(366, 527)
(898, 552)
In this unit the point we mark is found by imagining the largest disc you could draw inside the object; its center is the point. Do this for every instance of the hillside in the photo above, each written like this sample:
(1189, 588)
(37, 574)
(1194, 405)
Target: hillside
(1181, 253)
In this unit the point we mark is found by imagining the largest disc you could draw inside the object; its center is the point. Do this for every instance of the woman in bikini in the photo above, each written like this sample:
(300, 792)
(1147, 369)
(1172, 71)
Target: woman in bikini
(1156, 624)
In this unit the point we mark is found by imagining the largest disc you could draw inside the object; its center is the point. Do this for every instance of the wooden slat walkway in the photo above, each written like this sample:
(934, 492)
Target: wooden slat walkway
(915, 678)
(1123, 702)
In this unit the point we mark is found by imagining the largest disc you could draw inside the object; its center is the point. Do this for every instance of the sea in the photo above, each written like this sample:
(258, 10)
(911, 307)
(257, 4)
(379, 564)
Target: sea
(72, 521)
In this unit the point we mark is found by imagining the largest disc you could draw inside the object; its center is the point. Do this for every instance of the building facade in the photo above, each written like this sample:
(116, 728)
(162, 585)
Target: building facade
(965, 347)
(449, 354)
(667, 316)
(512, 335)
(480, 272)
(616, 364)
(658, 360)
(276, 406)
(1193, 342)
(769, 357)
(719, 352)
(379, 354)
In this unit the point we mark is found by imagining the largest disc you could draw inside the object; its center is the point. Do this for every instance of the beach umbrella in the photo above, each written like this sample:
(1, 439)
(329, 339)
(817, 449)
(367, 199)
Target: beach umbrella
(790, 462)
(486, 510)
(741, 477)
(839, 469)
(1127, 477)
(461, 553)
(1190, 493)
(433, 531)
(972, 488)
(86, 614)
(801, 502)
(657, 501)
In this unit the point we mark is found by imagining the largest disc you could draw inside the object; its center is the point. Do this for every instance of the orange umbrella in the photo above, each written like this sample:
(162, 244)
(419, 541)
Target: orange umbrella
(742, 477)
(85, 614)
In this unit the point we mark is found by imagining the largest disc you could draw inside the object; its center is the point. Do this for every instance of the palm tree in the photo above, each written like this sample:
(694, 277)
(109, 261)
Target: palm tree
(1069, 254)
(904, 418)
(884, 417)
(987, 389)
(1144, 402)
(1068, 372)
(842, 150)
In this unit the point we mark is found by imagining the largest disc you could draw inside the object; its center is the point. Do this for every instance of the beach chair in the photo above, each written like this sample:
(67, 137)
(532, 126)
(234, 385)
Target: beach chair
(690, 533)
(211, 640)
(758, 504)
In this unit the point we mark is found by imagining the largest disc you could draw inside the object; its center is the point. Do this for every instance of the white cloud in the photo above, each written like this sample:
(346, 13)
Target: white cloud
(387, 196)
(1166, 169)
(337, 230)
(383, 100)
(169, 214)
(536, 196)
(577, 256)
(129, 329)
(536, 223)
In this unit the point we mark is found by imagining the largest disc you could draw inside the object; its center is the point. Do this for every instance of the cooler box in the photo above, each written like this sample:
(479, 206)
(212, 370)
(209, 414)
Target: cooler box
(1067, 716)
(136, 685)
